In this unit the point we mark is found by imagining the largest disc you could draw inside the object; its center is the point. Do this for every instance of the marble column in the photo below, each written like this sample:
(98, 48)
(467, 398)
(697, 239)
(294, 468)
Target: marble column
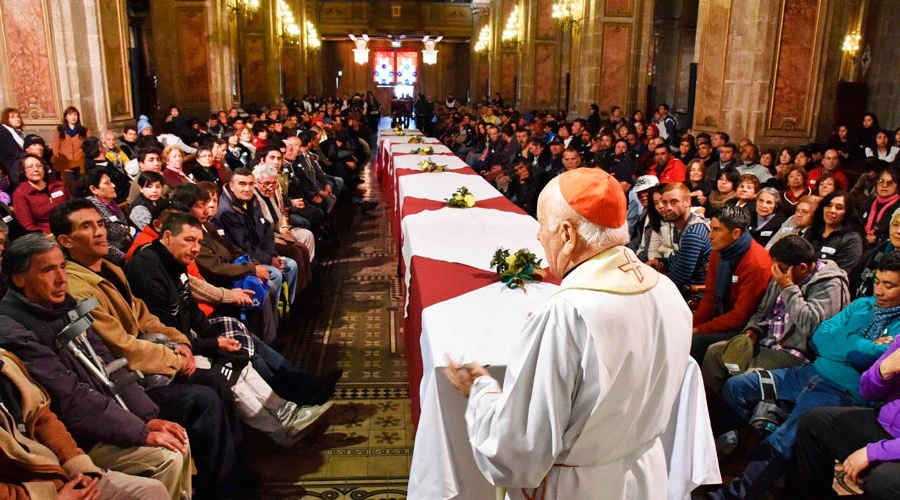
(59, 53)
(765, 69)
(611, 55)
(539, 72)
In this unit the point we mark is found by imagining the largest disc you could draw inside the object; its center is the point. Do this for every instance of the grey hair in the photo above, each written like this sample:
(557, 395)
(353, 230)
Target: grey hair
(262, 170)
(596, 236)
(774, 193)
(17, 258)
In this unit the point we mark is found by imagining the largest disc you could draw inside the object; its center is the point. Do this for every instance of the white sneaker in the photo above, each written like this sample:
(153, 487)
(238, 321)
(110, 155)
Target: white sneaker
(295, 421)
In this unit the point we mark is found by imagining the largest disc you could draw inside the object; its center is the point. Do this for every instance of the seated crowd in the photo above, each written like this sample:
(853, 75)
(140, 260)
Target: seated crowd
(792, 272)
(194, 243)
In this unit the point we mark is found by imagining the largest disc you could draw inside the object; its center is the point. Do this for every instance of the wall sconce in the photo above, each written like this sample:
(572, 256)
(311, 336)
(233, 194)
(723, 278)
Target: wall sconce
(312, 37)
(511, 30)
(429, 55)
(484, 39)
(248, 7)
(851, 44)
(361, 52)
(564, 13)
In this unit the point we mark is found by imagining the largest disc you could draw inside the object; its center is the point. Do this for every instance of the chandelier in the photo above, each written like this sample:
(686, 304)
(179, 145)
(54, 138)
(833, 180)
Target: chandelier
(851, 44)
(361, 52)
(249, 7)
(289, 27)
(312, 36)
(511, 30)
(564, 12)
(484, 39)
(429, 54)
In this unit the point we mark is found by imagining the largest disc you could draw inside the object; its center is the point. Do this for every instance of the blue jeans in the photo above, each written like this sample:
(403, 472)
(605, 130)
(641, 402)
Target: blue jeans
(802, 385)
(266, 361)
(289, 275)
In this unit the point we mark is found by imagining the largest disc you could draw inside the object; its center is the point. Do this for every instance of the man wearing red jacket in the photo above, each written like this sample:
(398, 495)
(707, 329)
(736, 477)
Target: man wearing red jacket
(670, 169)
(736, 280)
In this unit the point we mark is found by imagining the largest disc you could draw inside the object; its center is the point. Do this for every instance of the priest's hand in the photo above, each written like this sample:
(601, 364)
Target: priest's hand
(462, 376)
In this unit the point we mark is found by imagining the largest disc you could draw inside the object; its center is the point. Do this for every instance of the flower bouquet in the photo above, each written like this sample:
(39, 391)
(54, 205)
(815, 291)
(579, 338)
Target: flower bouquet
(430, 167)
(462, 198)
(516, 269)
(398, 131)
(416, 140)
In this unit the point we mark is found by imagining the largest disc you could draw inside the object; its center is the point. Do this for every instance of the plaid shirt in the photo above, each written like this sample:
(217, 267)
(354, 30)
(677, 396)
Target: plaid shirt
(779, 316)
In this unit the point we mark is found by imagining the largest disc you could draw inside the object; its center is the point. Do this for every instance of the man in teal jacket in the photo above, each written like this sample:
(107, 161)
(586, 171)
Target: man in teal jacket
(846, 345)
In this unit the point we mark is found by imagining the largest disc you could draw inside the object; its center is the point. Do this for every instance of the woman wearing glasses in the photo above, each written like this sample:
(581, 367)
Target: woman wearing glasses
(36, 198)
(880, 208)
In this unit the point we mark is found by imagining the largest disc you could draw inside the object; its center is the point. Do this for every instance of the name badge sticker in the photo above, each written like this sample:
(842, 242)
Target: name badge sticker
(113, 218)
(56, 194)
(184, 278)
(828, 250)
(734, 279)
(765, 233)
(221, 232)
(7, 219)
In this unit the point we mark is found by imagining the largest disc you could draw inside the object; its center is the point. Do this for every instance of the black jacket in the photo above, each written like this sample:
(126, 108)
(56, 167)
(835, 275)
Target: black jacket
(162, 283)
(245, 227)
(84, 404)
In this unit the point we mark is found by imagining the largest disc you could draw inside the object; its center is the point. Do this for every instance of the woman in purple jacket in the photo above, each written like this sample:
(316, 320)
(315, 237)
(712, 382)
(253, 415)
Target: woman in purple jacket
(866, 439)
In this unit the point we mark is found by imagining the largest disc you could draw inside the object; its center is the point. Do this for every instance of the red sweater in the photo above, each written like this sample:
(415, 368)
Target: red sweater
(674, 171)
(33, 206)
(815, 174)
(748, 285)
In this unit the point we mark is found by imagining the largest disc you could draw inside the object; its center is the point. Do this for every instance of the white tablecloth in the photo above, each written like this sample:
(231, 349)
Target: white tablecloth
(411, 162)
(393, 147)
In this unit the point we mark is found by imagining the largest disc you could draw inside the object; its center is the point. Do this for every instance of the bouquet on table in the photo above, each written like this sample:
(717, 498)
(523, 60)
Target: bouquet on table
(416, 140)
(518, 268)
(462, 198)
(430, 167)
(398, 131)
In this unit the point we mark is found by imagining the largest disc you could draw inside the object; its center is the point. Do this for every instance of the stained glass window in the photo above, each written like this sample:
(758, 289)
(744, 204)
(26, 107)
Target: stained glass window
(407, 67)
(384, 68)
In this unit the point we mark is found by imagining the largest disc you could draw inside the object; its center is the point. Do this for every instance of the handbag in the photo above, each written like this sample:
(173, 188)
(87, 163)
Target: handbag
(253, 283)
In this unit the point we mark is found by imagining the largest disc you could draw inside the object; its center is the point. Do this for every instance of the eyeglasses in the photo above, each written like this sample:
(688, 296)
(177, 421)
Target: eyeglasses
(886, 182)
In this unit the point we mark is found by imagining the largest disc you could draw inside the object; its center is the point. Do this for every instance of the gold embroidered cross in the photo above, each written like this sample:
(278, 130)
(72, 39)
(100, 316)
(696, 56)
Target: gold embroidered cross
(632, 266)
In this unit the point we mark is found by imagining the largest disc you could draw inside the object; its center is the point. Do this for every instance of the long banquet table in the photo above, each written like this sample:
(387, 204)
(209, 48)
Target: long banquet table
(455, 306)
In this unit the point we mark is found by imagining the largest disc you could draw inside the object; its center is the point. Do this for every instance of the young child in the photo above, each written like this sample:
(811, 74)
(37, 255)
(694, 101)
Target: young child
(151, 185)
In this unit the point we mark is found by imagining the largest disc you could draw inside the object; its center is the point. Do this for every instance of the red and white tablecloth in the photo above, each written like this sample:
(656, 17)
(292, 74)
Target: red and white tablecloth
(456, 307)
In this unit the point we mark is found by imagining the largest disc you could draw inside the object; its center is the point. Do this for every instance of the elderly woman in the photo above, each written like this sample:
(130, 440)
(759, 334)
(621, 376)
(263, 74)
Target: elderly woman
(38, 196)
(173, 172)
(798, 223)
(795, 188)
(862, 279)
(768, 218)
(97, 187)
(582, 216)
(885, 201)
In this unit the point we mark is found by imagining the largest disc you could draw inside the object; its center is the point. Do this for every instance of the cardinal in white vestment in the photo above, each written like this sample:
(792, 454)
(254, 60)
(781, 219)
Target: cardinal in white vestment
(591, 383)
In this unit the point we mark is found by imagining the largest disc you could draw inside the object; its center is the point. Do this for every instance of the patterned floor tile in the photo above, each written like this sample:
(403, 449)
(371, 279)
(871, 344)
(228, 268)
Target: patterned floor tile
(351, 321)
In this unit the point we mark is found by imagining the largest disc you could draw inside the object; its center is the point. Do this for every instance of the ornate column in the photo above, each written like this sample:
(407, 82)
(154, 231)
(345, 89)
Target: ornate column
(57, 54)
(764, 69)
(611, 56)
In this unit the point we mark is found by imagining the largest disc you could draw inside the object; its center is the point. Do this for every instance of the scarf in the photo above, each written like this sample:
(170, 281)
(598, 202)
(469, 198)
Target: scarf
(879, 206)
(728, 261)
(717, 200)
(70, 131)
(882, 318)
(16, 135)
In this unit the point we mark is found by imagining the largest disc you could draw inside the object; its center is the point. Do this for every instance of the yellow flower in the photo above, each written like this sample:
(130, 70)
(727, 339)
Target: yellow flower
(470, 200)
(511, 261)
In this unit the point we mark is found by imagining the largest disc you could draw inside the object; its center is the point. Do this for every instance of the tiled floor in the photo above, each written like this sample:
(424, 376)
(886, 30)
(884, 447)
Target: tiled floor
(352, 321)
